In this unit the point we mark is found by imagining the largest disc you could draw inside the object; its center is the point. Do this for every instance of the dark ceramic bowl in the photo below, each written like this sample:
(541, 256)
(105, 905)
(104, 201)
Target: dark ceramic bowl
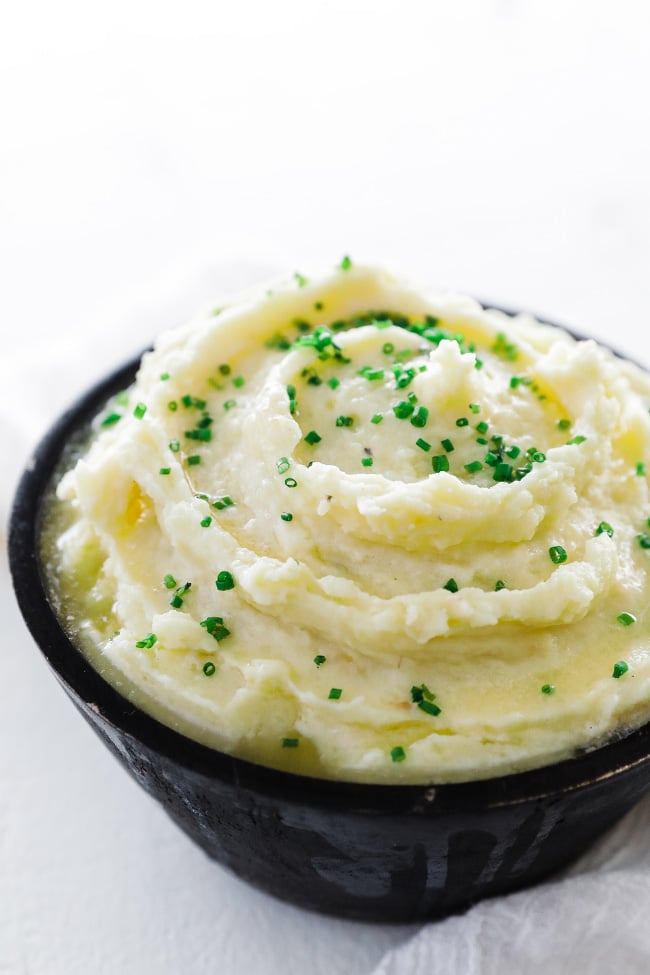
(376, 853)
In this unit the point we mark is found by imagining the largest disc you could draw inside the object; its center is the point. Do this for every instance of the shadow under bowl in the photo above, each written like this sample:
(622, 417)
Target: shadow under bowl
(390, 853)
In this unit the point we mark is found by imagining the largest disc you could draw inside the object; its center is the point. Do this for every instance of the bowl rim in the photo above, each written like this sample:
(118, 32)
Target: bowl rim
(85, 684)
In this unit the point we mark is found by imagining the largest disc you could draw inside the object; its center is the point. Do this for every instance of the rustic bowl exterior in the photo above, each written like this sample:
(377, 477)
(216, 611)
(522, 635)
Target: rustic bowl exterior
(374, 853)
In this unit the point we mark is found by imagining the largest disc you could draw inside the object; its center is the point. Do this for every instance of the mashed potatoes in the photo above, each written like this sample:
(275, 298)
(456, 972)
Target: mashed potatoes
(349, 529)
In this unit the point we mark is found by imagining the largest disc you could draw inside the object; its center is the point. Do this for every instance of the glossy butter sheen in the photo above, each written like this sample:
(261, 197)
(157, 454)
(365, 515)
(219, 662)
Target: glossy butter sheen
(364, 572)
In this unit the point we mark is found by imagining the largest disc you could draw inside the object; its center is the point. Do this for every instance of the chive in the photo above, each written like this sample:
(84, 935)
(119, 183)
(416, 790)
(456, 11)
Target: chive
(620, 668)
(640, 469)
(344, 421)
(421, 693)
(209, 668)
(429, 707)
(475, 408)
(478, 363)
(440, 463)
(194, 460)
(228, 405)
(313, 438)
(164, 376)
(420, 417)
(214, 626)
(147, 642)
(172, 406)
(388, 348)
(474, 467)
(577, 439)
(422, 444)
(563, 424)
(377, 418)
(491, 459)
(539, 457)
(318, 305)
(221, 503)
(644, 540)
(626, 619)
(448, 445)
(206, 522)
(169, 581)
(319, 659)
(371, 374)
(301, 280)
(333, 382)
(451, 585)
(412, 398)
(174, 446)
(109, 420)
(482, 427)
(139, 411)
(482, 441)
(503, 472)
(366, 461)
(224, 369)
(286, 516)
(225, 581)
(346, 263)
(557, 554)
(500, 584)
(165, 470)
(403, 410)
(202, 433)
(176, 601)
(605, 527)
(291, 482)
(397, 754)
(513, 452)
(290, 742)
(334, 694)
(282, 464)
(462, 421)
(548, 688)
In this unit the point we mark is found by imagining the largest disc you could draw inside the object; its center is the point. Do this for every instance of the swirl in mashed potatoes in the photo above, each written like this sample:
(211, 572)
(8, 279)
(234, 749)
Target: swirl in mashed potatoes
(356, 531)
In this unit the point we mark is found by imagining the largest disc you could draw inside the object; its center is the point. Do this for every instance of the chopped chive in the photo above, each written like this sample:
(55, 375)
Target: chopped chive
(282, 464)
(421, 693)
(169, 581)
(403, 410)
(209, 668)
(164, 376)
(346, 263)
(462, 421)
(397, 754)
(174, 446)
(451, 585)
(644, 540)
(333, 382)
(377, 418)
(147, 642)
(291, 482)
(228, 405)
(604, 527)
(473, 467)
(318, 305)
(313, 438)
(626, 619)
(224, 369)
(548, 689)
(482, 427)
(420, 417)
(238, 381)
(563, 424)
(440, 463)
(429, 707)
(194, 460)
(172, 406)
(539, 457)
(502, 472)
(640, 469)
(578, 439)
(109, 420)
(422, 444)
(557, 554)
(334, 694)
(513, 451)
(206, 522)
(177, 599)
(620, 668)
(290, 742)
(388, 348)
(139, 411)
(221, 503)
(301, 280)
(344, 421)
(500, 584)
(448, 445)
(225, 581)
(482, 441)
(412, 398)
(319, 659)
(475, 408)
(214, 626)
(286, 516)
(366, 461)
(165, 470)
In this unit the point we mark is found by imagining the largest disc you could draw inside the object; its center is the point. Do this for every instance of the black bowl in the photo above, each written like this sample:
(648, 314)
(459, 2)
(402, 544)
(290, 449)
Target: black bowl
(375, 853)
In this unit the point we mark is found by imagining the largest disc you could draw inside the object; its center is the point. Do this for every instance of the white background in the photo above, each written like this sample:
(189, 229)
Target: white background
(500, 147)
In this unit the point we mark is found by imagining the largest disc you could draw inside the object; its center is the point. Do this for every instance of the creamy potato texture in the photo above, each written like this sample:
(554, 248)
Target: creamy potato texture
(354, 530)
